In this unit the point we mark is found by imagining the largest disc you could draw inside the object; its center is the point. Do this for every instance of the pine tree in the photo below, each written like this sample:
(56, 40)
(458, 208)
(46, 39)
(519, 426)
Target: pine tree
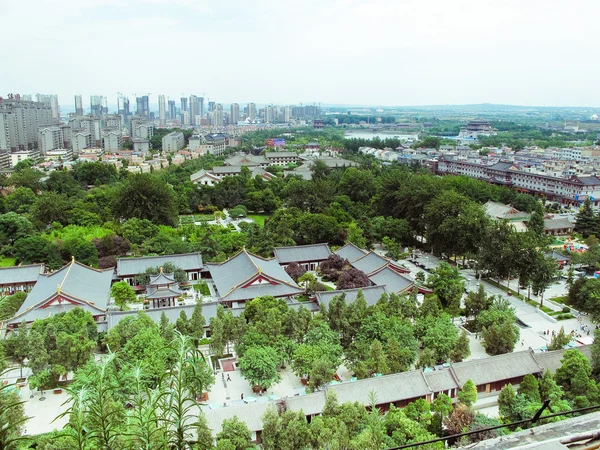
(182, 323)
(165, 328)
(536, 222)
(468, 394)
(461, 348)
(586, 219)
(197, 322)
(530, 388)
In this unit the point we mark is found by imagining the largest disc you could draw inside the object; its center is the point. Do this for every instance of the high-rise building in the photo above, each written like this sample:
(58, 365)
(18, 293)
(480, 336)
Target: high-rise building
(234, 115)
(201, 101)
(162, 110)
(125, 111)
(287, 114)
(184, 104)
(140, 128)
(112, 140)
(171, 110)
(194, 109)
(97, 105)
(211, 106)
(52, 102)
(20, 121)
(218, 115)
(142, 106)
(78, 105)
(268, 114)
(251, 111)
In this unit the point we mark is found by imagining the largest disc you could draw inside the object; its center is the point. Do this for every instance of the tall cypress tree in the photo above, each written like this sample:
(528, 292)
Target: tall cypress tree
(586, 219)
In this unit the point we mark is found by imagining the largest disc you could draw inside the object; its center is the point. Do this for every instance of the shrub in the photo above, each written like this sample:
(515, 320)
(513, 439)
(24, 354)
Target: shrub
(566, 309)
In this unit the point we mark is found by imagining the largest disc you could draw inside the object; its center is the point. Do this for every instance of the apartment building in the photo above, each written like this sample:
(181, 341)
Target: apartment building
(173, 141)
(20, 121)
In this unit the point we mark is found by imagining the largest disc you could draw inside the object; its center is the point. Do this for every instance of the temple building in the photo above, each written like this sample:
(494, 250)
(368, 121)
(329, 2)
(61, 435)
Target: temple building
(245, 276)
(162, 291)
(75, 285)
(20, 278)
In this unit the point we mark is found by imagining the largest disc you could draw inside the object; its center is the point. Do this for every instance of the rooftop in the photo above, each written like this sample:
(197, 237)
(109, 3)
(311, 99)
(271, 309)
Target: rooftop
(134, 266)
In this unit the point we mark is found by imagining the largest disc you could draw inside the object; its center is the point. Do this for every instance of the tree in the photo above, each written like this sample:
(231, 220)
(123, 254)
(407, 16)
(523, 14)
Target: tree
(529, 388)
(205, 438)
(12, 415)
(11, 304)
(440, 336)
(352, 279)
(448, 285)
(506, 402)
(476, 302)
(259, 366)
(166, 328)
(236, 432)
(461, 348)
(295, 271)
(13, 227)
(18, 345)
(137, 231)
(182, 324)
(122, 293)
(426, 359)
(586, 219)
(595, 349)
(468, 394)
(560, 340)
(50, 207)
(441, 407)
(21, 200)
(197, 322)
(145, 196)
(321, 373)
(460, 419)
(82, 250)
(544, 273)
(498, 328)
(574, 376)
(37, 249)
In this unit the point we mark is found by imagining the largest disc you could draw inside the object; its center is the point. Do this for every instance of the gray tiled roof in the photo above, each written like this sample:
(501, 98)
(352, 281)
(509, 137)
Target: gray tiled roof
(229, 275)
(553, 360)
(441, 380)
(372, 295)
(251, 414)
(557, 256)
(246, 160)
(209, 310)
(370, 262)
(163, 293)
(20, 274)
(387, 389)
(302, 253)
(162, 279)
(281, 154)
(80, 282)
(134, 266)
(393, 281)
(557, 224)
(227, 169)
(196, 176)
(501, 367)
(350, 252)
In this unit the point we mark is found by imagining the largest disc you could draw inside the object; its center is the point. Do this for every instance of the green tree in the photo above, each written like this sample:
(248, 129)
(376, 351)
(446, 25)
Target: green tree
(440, 336)
(507, 400)
(13, 227)
(197, 322)
(21, 200)
(477, 301)
(461, 348)
(595, 349)
(137, 231)
(529, 388)
(18, 345)
(468, 394)
(12, 416)
(586, 219)
(182, 323)
(448, 285)
(236, 432)
(145, 196)
(259, 366)
(560, 340)
(122, 293)
(37, 249)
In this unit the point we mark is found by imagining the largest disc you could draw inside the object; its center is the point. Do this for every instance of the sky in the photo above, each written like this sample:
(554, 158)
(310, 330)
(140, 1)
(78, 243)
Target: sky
(367, 52)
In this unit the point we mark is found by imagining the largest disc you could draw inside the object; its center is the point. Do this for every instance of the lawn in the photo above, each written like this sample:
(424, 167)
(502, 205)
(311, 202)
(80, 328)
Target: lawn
(7, 262)
(259, 218)
(185, 220)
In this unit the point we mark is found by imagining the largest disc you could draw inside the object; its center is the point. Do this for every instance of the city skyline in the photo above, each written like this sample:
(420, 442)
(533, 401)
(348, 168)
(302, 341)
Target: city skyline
(363, 53)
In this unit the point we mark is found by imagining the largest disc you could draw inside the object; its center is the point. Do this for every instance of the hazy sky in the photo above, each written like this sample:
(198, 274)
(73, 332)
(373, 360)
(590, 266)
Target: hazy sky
(375, 52)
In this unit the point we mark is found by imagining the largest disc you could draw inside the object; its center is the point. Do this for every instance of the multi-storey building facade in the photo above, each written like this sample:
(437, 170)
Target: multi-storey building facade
(81, 140)
(572, 190)
(112, 140)
(113, 121)
(78, 105)
(218, 115)
(50, 138)
(251, 111)
(140, 128)
(171, 110)
(20, 121)
(173, 141)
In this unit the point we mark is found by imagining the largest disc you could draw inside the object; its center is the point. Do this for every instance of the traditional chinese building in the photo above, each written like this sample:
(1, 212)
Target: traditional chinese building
(162, 290)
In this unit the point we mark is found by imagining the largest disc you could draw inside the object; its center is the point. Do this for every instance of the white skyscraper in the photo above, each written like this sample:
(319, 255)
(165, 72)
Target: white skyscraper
(268, 114)
(162, 110)
(287, 114)
(218, 115)
(52, 102)
(78, 105)
(234, 115)
(252, 111)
